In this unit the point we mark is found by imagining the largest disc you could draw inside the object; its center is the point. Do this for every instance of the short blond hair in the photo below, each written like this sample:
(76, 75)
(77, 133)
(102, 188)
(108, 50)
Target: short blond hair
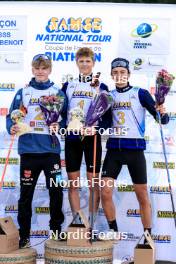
(85, 52)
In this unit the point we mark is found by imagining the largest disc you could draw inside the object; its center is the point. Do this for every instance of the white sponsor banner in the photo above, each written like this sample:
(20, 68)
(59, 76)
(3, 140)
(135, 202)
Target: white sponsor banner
(50, 30)
(144, 36)
(140, 63)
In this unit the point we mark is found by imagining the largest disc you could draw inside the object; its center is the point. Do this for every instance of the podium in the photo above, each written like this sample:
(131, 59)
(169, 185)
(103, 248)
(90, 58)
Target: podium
(58, 252)
(20, 256)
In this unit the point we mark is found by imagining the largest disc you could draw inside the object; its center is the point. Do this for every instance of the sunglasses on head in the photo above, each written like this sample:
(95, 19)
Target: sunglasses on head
(41, 56)
(120, 63)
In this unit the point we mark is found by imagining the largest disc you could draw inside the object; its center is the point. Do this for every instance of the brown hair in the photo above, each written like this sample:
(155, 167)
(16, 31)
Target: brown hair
(42, 62)
(85, 52)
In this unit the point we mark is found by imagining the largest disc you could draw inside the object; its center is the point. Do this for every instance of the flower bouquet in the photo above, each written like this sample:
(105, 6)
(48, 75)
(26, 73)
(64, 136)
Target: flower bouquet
(17, 117)
(164, 82)
(77, 119)
(51, 107)
(97, 108)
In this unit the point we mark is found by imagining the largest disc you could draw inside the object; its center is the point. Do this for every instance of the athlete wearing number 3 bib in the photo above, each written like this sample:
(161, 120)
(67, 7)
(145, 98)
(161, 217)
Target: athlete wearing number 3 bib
(126, 143)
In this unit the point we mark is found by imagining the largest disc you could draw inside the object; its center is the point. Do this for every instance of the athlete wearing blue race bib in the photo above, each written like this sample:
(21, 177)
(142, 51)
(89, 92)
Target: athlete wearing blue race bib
(35, 148)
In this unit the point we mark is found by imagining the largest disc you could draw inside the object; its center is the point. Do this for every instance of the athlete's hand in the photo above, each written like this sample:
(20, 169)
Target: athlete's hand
(95, 82)
(161, 108)
(14, 129)
(54, 128)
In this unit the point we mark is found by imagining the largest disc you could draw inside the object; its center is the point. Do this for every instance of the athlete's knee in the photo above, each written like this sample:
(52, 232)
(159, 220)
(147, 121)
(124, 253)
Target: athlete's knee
(106, 193)
(143, 197)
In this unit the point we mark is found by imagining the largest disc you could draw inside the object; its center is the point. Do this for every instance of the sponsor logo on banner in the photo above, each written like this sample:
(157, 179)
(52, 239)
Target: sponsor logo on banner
(9, 185)
(64, 36)
(133, 213)
(142, 37)
(152, 63)
(39, 233)
(11, 209)
(172, 93)
(172, 115)
(42, 210)
(3, 111)
(138, 63)
(11, 61)
(165, 214)
(160, 189)
(13, 32)
(127, 258)
(161, 238)
(132, 237)
(12, 161)
(125, 188)
(68, 212)
(41, 186)
(142, 32)
(162, 165)
(6, 87)
(101, 212)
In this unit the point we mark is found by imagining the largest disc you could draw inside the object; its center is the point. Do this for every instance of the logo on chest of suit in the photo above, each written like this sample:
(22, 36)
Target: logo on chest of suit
(133, 96)
(83, 94)
(34, 101)
(122, 105)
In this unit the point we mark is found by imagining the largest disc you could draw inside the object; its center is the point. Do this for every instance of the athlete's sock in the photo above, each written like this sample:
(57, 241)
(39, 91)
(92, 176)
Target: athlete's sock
(113, 225)
(150, 231)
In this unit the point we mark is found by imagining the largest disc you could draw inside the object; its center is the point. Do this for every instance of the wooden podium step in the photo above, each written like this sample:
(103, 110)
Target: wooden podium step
(26, 256)
(58, 252)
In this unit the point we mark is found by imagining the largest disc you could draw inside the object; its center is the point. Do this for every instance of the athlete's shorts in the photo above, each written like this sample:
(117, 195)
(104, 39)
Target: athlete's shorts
(134, 159)
(74, 149)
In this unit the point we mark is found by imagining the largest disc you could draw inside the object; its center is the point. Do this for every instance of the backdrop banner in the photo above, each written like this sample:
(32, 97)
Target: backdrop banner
(110, 30)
